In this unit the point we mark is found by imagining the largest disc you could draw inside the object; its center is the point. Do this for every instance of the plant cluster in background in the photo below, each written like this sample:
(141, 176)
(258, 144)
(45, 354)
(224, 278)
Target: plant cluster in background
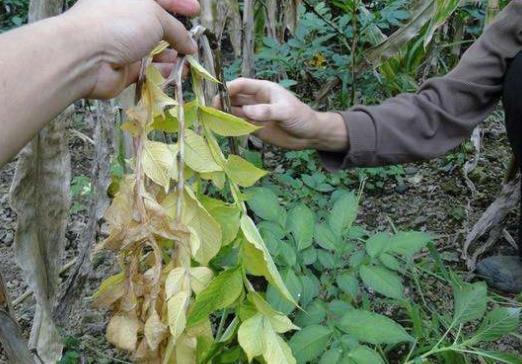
(13, 13)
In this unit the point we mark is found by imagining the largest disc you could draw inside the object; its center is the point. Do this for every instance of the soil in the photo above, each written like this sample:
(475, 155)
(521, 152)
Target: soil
(433, 197)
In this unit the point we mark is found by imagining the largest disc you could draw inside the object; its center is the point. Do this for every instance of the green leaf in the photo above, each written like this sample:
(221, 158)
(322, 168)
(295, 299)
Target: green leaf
(314, 314)
(309, 256)
(498, 323)
(390, 262)
(332, 356)
(265, 204)
(443, 11)
(257, 259)
(278, 302)
(224, 124)
(327, 259)
(273, 228)
(200, 70)
(344, 213)
(301, 222)
(197, 154)
(363, 325)
(310, 342)
(243, 172)
(311, 287)
(287, 254)
(170, 124)
(470, 301)
(221, 292)
(325, 237)
(408, 243)
(365, 355)
(377, 243)
(382, 281)
(422, 13)
(226, 215)
(338, 308)
(348, 284)
(501, 357)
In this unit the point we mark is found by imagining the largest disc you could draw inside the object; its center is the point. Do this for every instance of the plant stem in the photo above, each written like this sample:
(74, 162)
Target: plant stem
(224, 95)
(221, 325)
(355, 40)
(181, 136)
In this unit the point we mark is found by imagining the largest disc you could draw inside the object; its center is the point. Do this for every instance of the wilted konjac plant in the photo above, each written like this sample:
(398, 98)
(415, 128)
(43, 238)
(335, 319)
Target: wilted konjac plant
(166, 234)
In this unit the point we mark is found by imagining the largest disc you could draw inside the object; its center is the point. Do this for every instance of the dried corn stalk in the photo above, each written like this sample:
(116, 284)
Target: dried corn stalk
(167, 231)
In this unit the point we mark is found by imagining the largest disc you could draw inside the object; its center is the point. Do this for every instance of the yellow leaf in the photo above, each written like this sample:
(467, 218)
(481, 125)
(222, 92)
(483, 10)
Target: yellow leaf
(154, 97)
(198, 219)
(225, 124)
(200, 70)
(144, 354)
(195, 242)
(177, 313)
(177, 281)
(257, 259)
(205, 226)
(111, 290)
(159, 163)
(217, 178)
(162, 46)
(251, 338)
(120, 212)
(186, 350)
(132, 127)
(197, 154)
(276, 350)
(200, 278)
(243, 172)
(155, 331)
(201, 330)
(122, 332)
(280, 323)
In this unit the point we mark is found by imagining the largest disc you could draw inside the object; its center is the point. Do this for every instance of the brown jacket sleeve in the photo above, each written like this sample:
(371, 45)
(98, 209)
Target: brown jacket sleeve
(443, 112)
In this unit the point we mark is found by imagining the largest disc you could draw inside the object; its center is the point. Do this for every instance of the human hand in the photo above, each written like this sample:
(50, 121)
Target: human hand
(123, 32)
(287, 122)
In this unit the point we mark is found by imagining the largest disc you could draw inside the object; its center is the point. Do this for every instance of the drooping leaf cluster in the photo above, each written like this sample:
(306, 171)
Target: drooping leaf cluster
(168, 231)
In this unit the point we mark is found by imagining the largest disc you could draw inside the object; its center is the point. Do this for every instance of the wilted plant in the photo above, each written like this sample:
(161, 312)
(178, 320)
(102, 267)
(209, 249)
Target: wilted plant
(167, 236)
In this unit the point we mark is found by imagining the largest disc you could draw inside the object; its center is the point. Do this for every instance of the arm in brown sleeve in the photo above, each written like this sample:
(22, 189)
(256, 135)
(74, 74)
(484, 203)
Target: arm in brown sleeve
(443, 112)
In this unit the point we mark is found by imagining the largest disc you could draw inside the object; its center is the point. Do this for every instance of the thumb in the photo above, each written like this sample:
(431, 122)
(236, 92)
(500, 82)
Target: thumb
(260, 112)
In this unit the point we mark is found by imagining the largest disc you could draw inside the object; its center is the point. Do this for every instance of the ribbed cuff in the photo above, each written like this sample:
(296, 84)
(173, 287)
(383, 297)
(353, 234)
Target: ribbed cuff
(362, 138)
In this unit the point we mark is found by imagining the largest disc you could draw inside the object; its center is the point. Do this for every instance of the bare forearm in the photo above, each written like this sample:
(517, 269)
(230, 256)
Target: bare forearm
(43, 70)
(332, 134)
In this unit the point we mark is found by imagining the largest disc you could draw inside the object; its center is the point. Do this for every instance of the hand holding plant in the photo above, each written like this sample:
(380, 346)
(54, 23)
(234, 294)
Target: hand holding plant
(287, 122)
(123, 32)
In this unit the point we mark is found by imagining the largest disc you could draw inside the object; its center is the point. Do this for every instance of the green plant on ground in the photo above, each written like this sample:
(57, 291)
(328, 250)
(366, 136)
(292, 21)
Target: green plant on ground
(345, 278)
